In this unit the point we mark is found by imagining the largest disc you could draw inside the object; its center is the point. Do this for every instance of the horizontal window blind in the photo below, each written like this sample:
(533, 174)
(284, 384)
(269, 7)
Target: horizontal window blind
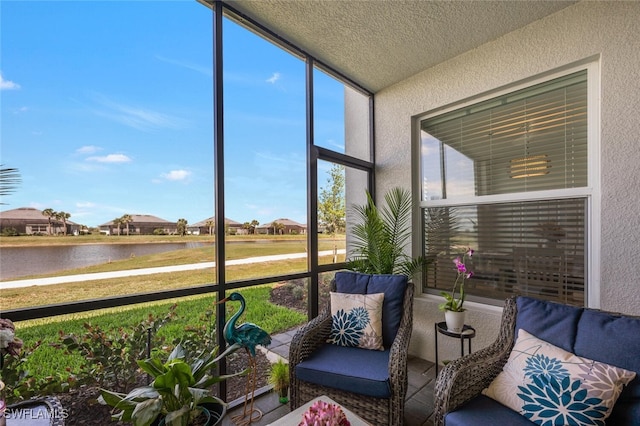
(534, 248)
(533, 139)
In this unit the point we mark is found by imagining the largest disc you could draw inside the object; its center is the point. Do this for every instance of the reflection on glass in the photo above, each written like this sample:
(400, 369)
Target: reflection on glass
(430, 167)
(459, 174)
(265, 157)
(549, 235)
(341, 117)
(331, 213)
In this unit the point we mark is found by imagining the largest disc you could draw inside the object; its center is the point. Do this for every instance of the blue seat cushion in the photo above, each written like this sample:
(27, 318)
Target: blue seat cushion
(484, 411)
(350, 369)
(614, 340)
(393, 287)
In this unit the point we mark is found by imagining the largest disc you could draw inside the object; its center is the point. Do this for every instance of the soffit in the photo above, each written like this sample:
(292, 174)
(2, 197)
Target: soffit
(378, 43)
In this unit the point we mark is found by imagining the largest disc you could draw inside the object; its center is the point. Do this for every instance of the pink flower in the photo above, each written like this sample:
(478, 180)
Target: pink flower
(324, 414)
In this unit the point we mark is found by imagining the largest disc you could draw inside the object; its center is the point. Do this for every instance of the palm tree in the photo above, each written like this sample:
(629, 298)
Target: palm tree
(254, 223)
(126, 220)
(9, 179)
(210, 224)
(274, 225)
(182, 227)
(117, 222)
(50, 213)
(63, 216)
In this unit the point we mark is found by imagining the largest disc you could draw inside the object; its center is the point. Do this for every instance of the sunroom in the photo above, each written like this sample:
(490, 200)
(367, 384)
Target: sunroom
(513, 125)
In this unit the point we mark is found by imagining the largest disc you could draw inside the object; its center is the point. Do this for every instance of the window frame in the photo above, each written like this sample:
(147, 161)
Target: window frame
(590, 192)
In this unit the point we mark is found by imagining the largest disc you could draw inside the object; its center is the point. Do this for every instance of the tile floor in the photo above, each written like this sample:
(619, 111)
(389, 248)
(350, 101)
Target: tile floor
(418, 407)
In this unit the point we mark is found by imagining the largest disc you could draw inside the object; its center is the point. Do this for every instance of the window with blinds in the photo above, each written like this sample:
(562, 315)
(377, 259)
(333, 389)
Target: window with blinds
(534, 139)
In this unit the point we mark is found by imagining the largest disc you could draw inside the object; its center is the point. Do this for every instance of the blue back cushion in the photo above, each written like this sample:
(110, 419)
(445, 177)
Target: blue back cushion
(614, 340)
(393, 287)
(600, 336)
(351, 282)
(551, 322)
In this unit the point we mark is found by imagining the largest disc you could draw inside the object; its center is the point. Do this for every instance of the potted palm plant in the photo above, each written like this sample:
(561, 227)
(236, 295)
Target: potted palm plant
(380, 236)
(178, 395)
(279, 378)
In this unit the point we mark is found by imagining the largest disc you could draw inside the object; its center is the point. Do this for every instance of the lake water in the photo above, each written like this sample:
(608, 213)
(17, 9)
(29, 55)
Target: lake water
(18, 262)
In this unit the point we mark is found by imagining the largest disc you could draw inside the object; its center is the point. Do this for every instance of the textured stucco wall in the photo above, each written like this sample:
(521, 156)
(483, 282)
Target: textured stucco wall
(605, 32)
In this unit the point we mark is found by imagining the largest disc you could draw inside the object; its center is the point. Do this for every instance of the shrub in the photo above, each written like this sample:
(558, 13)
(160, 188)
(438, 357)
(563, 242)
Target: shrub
(9, 232)
(111, 355)
(21, 385)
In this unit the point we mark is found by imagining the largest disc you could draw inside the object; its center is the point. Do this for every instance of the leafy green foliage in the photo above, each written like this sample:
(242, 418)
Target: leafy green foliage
(382, 235)
(178, 388)
(331, 201)
(111, 355)
(21, 384)
(46, 362)
(279, 375)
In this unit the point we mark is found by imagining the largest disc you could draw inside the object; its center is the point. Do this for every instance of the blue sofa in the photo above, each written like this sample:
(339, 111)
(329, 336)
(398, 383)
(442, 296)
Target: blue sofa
(370, 383)
(597, 335)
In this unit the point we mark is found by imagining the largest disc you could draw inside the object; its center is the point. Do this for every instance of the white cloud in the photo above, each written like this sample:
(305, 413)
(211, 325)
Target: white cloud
(8, 84)
(177, 175)
(20, 110)
(194, 67)
(85, 205)
(137, 117)
(88, 149)
(111, 158)
(275, 77)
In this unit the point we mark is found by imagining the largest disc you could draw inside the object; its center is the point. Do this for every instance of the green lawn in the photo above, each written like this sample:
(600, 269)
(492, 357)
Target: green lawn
(47, 360)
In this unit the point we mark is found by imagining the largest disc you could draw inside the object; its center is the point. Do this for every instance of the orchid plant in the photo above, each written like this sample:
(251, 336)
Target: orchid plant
(453, 303)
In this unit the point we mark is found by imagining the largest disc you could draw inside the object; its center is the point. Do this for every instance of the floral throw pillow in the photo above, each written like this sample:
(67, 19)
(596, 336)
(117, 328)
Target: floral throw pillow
(356, 320)
(551, 386)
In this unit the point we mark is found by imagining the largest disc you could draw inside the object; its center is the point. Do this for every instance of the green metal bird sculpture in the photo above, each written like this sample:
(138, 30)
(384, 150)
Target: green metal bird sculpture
(247, 336)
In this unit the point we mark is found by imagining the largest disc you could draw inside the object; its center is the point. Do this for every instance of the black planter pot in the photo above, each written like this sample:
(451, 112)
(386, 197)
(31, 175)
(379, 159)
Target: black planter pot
(214, 411)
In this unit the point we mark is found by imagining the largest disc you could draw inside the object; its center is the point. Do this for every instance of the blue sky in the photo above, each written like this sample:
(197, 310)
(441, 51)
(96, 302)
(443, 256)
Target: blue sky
(106, 109)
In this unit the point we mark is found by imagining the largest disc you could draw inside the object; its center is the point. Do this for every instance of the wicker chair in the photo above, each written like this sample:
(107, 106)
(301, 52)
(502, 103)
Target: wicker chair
(376, 411)
(39, 411)
(464, 378)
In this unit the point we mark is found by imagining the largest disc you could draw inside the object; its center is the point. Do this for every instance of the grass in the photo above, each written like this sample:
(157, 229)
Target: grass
(95, 289)
(47, 360)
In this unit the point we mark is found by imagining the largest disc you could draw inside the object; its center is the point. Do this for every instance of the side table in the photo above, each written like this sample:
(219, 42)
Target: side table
(467, 333)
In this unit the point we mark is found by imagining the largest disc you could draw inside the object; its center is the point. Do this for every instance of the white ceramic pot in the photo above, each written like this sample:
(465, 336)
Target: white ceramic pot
(455, 321)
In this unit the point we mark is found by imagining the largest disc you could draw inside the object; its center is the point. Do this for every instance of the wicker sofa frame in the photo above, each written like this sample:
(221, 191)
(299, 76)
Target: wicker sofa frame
(463, 379)
(376, 411)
